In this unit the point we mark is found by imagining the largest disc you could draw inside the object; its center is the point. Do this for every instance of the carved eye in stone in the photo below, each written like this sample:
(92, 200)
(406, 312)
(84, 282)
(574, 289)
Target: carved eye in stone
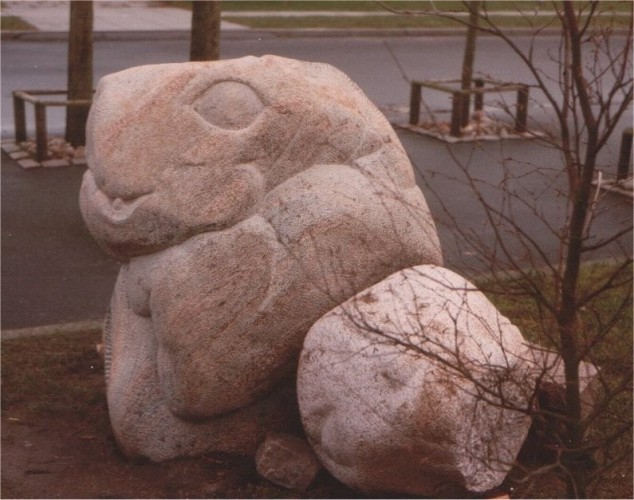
(229, 105)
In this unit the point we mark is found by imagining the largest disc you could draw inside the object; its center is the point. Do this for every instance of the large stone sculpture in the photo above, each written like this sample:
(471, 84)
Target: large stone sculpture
(245, 198)
(417, 385)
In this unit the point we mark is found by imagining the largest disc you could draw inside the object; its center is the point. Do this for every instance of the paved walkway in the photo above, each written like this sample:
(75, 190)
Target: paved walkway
(124, 15)
(53, 16)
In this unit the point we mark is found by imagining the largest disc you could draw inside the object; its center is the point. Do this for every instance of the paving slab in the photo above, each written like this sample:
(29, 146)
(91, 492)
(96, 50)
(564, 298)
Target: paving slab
(53, 16)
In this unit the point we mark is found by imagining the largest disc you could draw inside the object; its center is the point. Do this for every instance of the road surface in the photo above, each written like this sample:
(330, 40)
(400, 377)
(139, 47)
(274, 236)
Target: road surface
(52, 272)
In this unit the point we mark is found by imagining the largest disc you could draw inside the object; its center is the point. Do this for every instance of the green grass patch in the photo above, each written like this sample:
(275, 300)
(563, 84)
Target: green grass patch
(373, 22)
(535, 14)
(371, 6)
(318, 5)
(52, 374)
(607, 317)
(402, 22)
(15, 23)
(605, 333)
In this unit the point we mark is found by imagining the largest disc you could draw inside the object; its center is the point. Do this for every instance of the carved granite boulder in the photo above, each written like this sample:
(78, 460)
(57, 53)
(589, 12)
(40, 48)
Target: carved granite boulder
(417, 385)
(245, 198)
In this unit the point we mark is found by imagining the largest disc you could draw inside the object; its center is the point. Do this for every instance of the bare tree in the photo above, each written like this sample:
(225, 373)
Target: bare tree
(468, 60)
(585, 92)
(80, 70)
(205, 36)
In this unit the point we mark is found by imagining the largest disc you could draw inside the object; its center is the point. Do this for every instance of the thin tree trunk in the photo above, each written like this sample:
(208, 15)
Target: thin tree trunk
(568, 310)
(467, 63)
(79, 82)
(205, 35)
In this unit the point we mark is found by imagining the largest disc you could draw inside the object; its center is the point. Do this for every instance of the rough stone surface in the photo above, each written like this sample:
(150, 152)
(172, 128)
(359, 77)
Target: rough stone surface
(287, 461)
(400, 387)
(245, 198)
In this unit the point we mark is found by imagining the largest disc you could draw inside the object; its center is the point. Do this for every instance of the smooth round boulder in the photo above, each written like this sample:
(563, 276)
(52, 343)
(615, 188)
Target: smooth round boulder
(416, 385)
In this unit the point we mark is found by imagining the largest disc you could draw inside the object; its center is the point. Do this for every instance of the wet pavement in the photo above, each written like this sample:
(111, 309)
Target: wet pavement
(54, 273)
(52, 270)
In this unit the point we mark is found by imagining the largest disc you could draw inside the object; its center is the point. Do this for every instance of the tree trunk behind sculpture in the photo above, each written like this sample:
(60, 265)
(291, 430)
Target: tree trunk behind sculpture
(205, 35)
(467, 62)
(80, 70)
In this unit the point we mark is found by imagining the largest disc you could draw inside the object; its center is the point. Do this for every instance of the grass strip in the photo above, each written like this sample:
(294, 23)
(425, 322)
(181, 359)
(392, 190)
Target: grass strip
(529, 7)
(403, 22)
(52, 374)
(15, 23)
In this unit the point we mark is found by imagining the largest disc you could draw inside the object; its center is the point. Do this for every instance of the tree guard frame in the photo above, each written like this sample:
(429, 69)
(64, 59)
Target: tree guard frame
(459, 95)
(21, 97)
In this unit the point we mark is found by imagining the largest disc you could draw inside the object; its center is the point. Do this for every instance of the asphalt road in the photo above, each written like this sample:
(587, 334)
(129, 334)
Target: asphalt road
(52, 272)
(521, 179)
(381, 66)
(367, 61)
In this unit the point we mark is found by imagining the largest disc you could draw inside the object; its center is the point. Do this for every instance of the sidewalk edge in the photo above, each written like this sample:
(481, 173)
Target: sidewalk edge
(15, 35)
(76, 327)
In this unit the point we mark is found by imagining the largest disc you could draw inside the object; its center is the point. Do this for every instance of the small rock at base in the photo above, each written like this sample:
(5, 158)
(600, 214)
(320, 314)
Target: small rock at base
(287, 461)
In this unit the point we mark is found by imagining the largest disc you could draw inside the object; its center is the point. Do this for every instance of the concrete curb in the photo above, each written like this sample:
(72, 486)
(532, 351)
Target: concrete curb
(416, 129)
(37, 331)
(34, 36)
